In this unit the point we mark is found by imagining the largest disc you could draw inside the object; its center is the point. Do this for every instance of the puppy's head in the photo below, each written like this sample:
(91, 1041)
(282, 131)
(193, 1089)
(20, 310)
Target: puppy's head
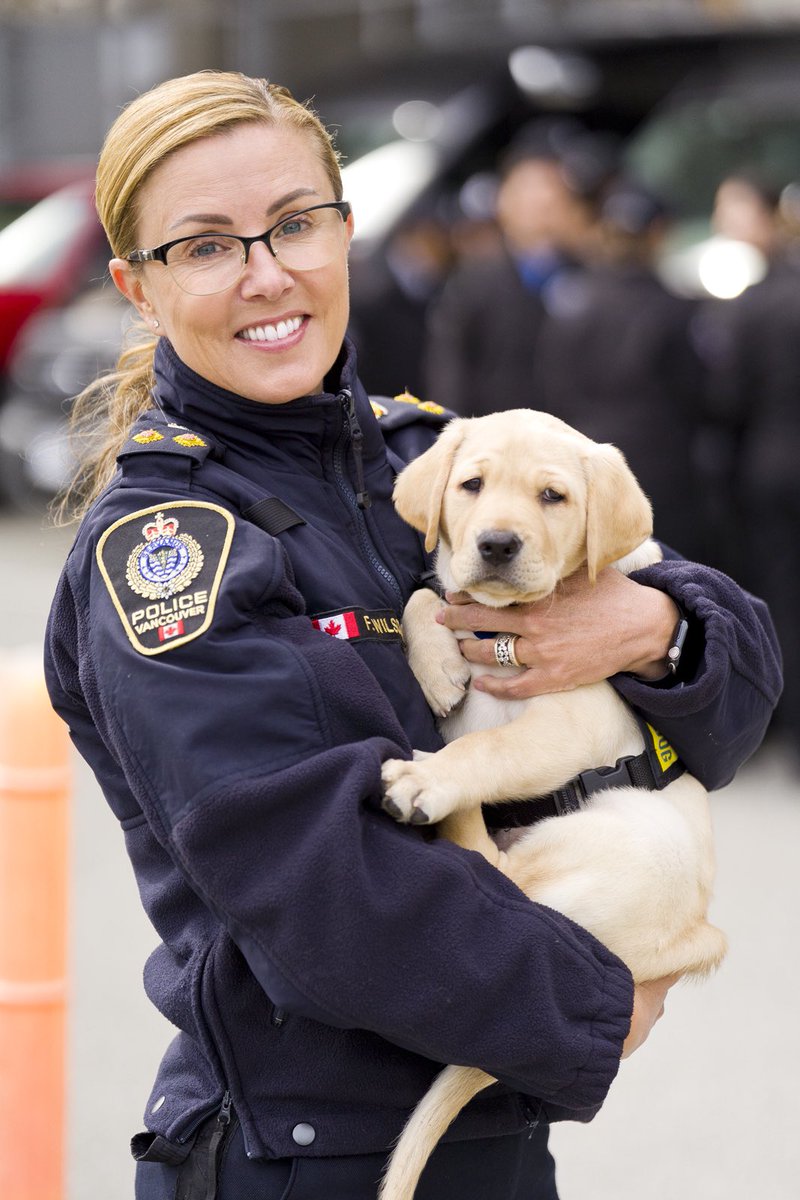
(519, 500)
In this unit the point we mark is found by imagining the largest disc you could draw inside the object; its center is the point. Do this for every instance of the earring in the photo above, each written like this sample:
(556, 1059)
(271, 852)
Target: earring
(156, 324)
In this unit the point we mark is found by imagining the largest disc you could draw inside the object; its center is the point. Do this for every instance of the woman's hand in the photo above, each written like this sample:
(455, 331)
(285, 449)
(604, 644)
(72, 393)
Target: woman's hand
(581, 634)
(648, 1007)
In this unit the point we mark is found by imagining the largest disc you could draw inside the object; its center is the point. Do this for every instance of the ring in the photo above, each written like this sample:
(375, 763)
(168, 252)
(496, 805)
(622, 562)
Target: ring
(504, 650)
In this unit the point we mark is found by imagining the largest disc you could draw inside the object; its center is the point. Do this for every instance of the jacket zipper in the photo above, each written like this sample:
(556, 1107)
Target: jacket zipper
(224, 1116)
(358, 500)
(357, 441)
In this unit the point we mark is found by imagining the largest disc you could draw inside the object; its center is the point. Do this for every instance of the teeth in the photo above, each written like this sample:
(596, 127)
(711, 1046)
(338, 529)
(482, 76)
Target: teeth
(272, 333)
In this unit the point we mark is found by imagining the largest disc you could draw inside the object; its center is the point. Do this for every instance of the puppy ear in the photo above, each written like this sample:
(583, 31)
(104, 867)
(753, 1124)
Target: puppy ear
(419, 489)
(618, 514)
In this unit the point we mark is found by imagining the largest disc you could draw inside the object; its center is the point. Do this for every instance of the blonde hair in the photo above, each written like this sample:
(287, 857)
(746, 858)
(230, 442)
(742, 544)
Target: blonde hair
(151, 128)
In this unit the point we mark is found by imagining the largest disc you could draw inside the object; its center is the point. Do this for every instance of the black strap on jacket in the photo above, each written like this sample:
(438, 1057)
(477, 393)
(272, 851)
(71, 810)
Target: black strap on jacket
(654, 769)
(272, 515)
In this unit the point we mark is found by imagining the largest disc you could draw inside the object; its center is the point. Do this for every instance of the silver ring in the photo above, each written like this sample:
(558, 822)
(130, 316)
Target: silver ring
(504, 650)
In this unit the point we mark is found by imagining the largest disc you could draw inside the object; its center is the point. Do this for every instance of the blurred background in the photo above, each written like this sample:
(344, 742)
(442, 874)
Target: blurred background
(587, 206)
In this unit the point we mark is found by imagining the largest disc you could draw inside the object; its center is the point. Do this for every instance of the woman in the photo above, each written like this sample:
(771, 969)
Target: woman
(314, 952)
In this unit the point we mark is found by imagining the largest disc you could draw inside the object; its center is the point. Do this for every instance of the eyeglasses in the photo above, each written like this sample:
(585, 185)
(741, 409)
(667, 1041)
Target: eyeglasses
(212, 262)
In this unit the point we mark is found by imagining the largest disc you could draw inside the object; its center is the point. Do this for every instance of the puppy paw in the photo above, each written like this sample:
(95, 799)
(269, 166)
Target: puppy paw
(443, 682)
(411, 795)
(433, 654)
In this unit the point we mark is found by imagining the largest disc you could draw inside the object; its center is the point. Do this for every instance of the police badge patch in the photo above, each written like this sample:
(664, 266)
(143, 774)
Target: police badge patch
(162, 567)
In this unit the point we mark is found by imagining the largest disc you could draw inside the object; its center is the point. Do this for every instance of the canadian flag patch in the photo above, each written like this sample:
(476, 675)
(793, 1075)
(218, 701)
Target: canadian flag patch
(173, 629)
(339, 625)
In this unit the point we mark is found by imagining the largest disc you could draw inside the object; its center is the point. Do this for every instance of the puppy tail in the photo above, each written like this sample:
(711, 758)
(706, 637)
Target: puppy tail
(437, 1109)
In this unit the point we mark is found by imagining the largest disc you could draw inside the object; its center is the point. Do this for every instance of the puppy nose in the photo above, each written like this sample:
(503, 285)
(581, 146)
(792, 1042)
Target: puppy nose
(498, 547)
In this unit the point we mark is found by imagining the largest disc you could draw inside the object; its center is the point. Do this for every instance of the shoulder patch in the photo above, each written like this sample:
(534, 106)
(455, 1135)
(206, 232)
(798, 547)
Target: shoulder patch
(163, 566)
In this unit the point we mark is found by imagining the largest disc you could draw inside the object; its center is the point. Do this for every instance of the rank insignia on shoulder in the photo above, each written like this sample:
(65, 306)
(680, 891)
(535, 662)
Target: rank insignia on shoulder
(189, 439)
(162, 567)
(165, 438)
(394, 412)
(422, 405)
(147, 436)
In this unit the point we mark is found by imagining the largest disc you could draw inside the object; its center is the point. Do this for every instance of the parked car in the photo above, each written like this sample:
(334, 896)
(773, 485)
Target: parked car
(414, 139)
(23, 184)
(47, 256)
(59, 352)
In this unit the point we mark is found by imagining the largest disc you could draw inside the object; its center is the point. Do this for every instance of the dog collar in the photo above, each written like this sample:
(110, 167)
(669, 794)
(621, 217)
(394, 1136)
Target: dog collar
(654, 769)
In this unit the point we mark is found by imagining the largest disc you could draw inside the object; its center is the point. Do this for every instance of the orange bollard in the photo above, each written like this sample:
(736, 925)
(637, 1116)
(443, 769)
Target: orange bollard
(34, 790)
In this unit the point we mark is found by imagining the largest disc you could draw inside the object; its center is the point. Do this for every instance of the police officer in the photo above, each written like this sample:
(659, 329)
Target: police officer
(224, 644)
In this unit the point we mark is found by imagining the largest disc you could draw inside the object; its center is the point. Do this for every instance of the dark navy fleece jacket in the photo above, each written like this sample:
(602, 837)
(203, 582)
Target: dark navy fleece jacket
(318, 960)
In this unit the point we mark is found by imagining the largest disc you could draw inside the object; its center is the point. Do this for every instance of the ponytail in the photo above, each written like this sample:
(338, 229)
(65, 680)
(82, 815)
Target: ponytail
(101, 419)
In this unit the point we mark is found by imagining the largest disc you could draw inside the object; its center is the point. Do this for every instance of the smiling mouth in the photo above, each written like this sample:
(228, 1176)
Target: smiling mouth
(278, 332)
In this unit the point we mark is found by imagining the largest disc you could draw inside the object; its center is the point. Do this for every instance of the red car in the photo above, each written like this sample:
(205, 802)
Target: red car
(47, 255)
(23, 184)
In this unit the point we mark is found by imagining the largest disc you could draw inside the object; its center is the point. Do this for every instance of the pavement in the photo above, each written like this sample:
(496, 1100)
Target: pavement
(708, 1109)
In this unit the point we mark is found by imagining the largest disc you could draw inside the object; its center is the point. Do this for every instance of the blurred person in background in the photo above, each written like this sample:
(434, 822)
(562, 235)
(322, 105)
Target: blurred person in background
(752, 345)
(485, 328)
(390, 300)
(747, 209)
(225, 646)
(620, 362)
(474, 232)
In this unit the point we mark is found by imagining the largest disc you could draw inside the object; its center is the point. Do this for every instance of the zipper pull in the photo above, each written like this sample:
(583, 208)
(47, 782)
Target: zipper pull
(198, 1174)
(357, 439)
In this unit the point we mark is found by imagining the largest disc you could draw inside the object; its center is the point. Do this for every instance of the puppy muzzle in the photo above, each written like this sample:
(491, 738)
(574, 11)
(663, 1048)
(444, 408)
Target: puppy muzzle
(498, 548)
(499, 560)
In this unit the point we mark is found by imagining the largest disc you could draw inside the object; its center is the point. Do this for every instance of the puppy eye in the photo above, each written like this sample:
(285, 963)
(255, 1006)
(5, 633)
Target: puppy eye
(551, 496)
(472, 485)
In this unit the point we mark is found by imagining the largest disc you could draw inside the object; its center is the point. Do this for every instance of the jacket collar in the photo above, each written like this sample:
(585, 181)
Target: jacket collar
(241, 424)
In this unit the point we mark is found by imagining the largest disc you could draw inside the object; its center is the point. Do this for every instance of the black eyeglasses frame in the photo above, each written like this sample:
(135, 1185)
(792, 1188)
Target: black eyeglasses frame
(159, 253)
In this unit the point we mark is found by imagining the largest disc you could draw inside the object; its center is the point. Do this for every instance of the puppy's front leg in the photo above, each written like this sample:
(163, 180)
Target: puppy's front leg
(433, 654)
(554, 737)
(476, 769)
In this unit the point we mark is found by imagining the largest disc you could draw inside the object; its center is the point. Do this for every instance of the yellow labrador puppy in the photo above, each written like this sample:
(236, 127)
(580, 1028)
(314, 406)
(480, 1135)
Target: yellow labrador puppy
(516, 502)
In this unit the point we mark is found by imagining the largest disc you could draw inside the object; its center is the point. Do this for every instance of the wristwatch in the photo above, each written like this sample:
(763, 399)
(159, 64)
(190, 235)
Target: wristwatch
(676, 646)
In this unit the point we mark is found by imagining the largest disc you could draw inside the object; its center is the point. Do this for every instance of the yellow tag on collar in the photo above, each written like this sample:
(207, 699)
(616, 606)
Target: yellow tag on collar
(664, 753)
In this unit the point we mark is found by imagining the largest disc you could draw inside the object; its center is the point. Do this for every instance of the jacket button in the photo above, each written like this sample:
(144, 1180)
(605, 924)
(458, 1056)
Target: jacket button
(304, 1134)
